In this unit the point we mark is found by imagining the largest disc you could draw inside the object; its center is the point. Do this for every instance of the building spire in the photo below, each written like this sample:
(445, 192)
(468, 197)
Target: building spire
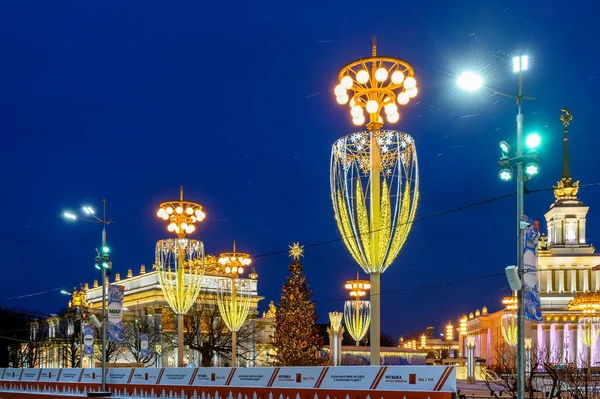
(566, 118)
(566, 189)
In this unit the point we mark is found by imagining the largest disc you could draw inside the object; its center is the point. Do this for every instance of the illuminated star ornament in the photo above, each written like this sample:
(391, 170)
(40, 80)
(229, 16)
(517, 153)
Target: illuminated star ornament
(296, 250)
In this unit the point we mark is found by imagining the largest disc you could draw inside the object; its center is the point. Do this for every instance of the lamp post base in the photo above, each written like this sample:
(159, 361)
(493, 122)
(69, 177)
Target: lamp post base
(99, 394)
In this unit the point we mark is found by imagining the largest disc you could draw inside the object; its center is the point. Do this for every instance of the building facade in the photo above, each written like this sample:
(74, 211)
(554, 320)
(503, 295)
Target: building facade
(567, 266)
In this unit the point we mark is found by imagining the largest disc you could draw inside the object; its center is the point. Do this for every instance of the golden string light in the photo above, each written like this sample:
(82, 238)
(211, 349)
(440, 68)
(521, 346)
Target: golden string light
(509, 323)
(179, 262)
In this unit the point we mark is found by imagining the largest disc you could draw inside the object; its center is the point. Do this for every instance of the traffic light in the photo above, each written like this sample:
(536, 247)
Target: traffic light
(533, 141)
(103, 259)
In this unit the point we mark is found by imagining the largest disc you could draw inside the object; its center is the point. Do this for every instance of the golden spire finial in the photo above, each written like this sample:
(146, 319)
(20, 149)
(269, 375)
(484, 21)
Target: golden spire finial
(566, 188)
(296, 250)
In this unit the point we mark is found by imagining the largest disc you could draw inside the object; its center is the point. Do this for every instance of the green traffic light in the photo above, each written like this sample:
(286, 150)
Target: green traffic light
(532, 169)
(505, 174)
(533, 140)
(105, 249)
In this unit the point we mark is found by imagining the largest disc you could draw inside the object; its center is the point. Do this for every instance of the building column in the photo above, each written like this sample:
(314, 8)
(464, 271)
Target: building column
(560, 343)
(596, 353)
(571, 340)
(581, 350)
(552, 347)
(586, 280)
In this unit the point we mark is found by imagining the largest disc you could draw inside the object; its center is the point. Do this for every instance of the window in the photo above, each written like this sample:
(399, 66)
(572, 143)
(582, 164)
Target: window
(571, 232)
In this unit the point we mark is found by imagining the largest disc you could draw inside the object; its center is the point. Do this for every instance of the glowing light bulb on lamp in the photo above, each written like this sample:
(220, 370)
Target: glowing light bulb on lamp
(362, 76)
(343, 99)
(372, 106)
(339, 90)
(397, 77)
(393, 118)
(410, 83)
(346, 82)
(412, 93)
(403, 98)
(381, 74)
(391, 109)
(359, 120)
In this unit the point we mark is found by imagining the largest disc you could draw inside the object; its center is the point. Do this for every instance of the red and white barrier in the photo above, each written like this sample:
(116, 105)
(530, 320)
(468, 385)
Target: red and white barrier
(356, 382)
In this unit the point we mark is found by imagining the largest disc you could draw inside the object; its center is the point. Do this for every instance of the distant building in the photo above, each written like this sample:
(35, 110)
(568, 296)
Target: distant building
(567, 265)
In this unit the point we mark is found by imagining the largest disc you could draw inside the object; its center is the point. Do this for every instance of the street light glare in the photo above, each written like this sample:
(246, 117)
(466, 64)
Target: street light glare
(469, 81)
(520, 63)
(533, 140)
(65, 292)
(70, 216)
(88, 210)
(505, 147)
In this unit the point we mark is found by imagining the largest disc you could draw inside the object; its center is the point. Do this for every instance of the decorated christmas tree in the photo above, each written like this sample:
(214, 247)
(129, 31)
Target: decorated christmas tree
(296, 337)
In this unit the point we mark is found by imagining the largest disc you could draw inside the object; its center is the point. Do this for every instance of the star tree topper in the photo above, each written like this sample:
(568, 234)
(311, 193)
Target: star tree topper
(296, 250)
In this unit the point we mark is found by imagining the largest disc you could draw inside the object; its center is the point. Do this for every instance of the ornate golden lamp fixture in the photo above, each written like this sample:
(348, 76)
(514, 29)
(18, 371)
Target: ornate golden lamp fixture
(182, 215)
(509, 321)
(374, 174)
(375, 84)
(449, 332)
(588, 303)
(179, 262)
(234, 295)
(357, 312)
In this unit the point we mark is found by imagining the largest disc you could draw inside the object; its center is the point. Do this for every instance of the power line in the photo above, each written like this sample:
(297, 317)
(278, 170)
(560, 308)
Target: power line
(435, 285)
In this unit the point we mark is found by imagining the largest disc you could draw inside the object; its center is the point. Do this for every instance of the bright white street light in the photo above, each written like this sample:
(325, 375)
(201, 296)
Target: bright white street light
(69, 215)
(520, 63)
(88, 210)
(65, 292)
(469, 81)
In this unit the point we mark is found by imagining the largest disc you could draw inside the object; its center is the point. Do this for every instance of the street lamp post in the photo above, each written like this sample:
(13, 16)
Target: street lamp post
(374, 174)
(234, 297)
(471, 82)
(180, 262)
(103, 263)
(357, 313)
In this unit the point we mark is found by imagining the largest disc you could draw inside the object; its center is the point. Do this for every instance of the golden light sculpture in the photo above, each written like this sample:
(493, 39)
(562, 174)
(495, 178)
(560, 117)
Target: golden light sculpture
(463, 325)
(374, 174)
(336, 335)
(357, 313)
(179, 262)
(587, 303)
(449, 332)
(233, 296)
(423, 341)
(509, 320)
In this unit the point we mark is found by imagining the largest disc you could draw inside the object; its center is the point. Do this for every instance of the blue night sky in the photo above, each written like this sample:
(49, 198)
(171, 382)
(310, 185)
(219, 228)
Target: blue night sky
(129, 100)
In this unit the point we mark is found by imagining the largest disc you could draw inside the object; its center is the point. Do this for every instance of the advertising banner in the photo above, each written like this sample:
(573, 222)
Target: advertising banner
(49, 375)
(91, 375)
(217, 376)
(531, 282)
(70, 375)
(88, 340)
(177, 376)
(144, 345)
(115, 313)
(30, 374)
(146, 376)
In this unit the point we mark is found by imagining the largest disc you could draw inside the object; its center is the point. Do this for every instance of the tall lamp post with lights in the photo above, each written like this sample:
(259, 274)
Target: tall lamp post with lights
(374, 174)
(526, 167)
(234, 295)
(103, 263)
(357, 313)
(179, 261)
